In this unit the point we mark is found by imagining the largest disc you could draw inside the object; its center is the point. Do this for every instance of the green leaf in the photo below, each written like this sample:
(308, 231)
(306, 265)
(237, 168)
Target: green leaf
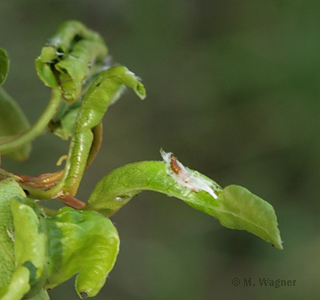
(40, 252)
(30, 242)
(4, 65)
(8, 189)
(81, 242)
(240, 209)
(120, 185)
(12, 123)
(23, 261)
(235, 207)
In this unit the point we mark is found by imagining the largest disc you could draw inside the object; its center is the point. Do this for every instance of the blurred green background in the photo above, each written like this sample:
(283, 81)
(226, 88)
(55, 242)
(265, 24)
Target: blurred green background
(233, 90)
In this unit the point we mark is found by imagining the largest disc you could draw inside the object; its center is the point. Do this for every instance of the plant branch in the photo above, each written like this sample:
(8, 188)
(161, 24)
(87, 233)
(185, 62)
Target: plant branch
(11, 143)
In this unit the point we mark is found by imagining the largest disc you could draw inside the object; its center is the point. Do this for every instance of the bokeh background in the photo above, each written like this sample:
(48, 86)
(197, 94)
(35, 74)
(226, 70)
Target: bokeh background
(233, 90)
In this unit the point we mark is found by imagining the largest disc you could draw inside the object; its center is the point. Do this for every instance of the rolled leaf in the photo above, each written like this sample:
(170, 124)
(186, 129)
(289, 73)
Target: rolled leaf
(76, 67)
(72, 56)
(68, 32)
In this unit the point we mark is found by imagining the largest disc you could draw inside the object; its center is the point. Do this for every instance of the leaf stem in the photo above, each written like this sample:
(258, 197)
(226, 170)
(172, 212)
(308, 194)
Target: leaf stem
(11, 143)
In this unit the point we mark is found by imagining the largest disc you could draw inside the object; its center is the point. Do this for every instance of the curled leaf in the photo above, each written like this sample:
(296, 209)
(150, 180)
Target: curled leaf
(68, 32)
(72, 56)
(75, 67)
(81, 242)
(39, 252)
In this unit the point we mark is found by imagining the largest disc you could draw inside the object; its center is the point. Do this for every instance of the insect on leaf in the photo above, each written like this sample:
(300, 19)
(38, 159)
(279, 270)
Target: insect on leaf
(235, 207)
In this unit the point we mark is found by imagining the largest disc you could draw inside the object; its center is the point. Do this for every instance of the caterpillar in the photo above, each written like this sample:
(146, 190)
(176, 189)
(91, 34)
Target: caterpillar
(189, 179)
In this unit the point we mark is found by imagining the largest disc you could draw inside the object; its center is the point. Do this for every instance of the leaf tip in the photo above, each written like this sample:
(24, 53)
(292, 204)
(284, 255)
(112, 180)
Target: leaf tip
(83, 295)
(278, 245)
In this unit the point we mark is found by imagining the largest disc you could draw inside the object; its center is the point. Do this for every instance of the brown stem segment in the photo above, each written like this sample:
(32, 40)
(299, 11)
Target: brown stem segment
(43, 180)
(71, 201)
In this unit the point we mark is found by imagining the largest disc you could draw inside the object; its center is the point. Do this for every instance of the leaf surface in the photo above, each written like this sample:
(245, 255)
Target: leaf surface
(235, 207)
(81, 242)
(30, 242)
(39, 252)
(8, 189)
(26, 244)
